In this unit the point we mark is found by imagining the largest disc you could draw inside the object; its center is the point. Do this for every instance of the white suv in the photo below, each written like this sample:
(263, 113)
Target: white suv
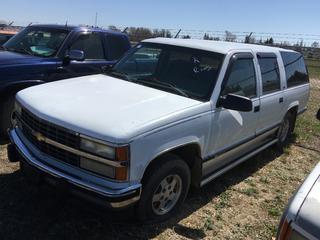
(170, 114)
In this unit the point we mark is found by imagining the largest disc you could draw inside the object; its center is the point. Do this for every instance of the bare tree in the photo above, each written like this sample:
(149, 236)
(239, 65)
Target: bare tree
(230, 37)
(3, 23)
(207, 37)
(161, 33)
(269, 41)
(138, 34)
(315, 44)
(114, 28)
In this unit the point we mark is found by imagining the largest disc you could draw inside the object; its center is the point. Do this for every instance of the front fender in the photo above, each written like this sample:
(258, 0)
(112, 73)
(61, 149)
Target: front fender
(13, 87)
(148, 148)
(163, 148)
(172, 145)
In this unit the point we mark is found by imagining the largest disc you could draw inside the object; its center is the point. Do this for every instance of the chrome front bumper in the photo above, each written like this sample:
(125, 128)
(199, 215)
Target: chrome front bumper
(115, 198)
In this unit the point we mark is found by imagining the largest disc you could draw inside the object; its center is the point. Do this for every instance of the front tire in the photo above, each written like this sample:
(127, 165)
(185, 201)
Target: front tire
(5, 117)
(165, 188)
(13, 154)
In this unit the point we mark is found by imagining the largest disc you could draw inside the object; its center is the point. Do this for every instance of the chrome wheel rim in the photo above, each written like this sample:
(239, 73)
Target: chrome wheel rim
(167, 194)
(284, 130)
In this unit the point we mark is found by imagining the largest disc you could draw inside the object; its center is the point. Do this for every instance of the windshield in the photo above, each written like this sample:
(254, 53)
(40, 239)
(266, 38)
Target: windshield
(184, 71)
(43, 42)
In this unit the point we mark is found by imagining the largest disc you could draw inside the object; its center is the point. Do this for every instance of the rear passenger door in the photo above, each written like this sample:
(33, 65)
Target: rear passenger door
(272, 96)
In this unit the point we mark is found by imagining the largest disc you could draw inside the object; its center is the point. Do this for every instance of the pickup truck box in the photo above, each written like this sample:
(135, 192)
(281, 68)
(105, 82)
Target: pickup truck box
(45, 53)
(172, 113)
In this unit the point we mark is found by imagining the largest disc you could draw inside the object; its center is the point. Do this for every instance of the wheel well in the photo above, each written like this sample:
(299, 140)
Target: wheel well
(190, 153)
(294, 112)
(16, 87)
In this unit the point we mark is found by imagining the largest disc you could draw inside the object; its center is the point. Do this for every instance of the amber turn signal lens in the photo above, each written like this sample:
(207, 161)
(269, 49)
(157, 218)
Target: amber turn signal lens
(122, 153)
(285, 230)
(121, 173)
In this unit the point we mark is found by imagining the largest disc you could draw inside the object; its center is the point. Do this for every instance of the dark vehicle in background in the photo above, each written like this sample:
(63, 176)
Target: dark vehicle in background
(45, 53)
(5, 36)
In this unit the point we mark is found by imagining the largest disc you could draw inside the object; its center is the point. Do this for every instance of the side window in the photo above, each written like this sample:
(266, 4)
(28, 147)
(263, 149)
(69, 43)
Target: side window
(117, 46)
(241, 79)
(296, 70)
(91, 45)
(270, 75)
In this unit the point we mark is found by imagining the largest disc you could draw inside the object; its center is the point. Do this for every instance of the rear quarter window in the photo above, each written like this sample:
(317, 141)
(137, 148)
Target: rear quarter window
(296, 70)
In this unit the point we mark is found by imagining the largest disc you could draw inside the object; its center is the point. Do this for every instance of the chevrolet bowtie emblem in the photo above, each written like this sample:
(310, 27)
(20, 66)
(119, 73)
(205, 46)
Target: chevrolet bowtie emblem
(39, 136)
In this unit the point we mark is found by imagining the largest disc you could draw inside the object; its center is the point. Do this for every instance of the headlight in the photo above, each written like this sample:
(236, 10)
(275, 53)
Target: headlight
(98, 148)
(16, 111)
(116, 154)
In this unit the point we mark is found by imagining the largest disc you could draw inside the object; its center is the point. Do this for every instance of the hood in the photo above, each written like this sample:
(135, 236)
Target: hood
(103, 107)
(10, 58)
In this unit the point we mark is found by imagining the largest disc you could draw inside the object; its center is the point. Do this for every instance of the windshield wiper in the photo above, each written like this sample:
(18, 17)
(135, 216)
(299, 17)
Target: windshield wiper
(24, 50)
(161, 84)
(115, 73)
(19, 50)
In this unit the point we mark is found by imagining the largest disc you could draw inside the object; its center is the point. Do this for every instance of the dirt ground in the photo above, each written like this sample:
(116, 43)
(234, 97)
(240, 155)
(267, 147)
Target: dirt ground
(245, 203)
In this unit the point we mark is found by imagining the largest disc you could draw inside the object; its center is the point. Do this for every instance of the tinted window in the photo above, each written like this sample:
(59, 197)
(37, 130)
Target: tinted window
(117, 46)
(270, 75)
(44, 42)
(296, 71)
(90, 44)
(241, 79)
(182, 71)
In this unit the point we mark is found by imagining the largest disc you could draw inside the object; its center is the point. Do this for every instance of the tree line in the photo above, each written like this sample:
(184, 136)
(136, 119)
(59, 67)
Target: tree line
(137, 34)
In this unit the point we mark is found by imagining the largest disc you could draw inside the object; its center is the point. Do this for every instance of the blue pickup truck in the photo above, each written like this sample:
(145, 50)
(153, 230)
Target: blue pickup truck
(45, 53)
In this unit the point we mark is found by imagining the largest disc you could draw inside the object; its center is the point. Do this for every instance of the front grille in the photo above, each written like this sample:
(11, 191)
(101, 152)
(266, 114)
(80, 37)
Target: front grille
(30, 123)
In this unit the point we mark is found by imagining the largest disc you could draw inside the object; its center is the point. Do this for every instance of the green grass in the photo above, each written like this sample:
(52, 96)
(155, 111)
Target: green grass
(208, 224)
(274, 207)
(313, 68)
(223, 200)
(249, 191)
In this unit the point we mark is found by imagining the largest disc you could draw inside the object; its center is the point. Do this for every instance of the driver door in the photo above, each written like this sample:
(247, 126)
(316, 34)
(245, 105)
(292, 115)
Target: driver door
(94, 53)
(232, 131)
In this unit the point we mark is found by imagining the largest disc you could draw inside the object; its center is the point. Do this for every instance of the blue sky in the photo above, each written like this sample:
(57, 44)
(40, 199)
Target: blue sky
(291, 16)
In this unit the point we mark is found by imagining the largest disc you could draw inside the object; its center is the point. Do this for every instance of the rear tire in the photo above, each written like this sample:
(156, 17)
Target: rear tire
(285, 130)
(5, 117)
(165, 188)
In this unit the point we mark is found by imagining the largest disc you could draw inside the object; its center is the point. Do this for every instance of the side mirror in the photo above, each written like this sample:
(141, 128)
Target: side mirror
(236, 102)
(76, 55)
